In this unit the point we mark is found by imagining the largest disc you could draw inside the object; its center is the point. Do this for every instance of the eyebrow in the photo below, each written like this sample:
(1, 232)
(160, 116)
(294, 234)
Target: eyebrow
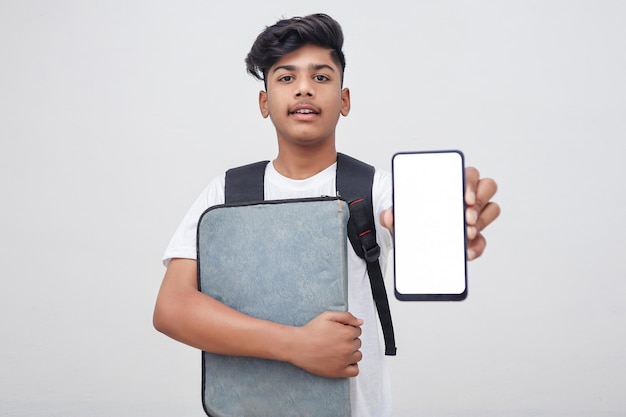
(315, 67)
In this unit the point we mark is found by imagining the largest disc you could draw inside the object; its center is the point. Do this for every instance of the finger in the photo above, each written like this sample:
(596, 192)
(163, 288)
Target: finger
(488, 215)
(356, 357)
(471, 184)
(476, 247)
(386, 219)
(351, 371)
(471, 215)
(344, 318)
(485, 190)
(471, 232)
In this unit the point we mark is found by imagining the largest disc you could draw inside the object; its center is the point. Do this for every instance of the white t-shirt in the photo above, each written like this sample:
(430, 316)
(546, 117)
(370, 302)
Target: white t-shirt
(370, 390)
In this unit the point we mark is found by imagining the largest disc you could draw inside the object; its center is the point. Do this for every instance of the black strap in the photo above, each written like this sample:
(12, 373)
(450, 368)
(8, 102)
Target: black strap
(354, 184)
(245, 184)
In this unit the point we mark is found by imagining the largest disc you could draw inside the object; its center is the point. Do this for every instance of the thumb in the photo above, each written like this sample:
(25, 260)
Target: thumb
(386, 219)
(344, 318)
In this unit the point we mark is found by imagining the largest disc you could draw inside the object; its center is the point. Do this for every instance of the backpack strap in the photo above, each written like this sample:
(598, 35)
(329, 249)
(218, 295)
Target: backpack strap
(354, 184)
(245, 184)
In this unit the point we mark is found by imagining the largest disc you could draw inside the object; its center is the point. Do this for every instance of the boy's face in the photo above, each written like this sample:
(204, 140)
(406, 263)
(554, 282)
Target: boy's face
(304, 97)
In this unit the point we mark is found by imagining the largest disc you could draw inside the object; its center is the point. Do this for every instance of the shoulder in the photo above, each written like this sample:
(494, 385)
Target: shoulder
(382, 177)
(211, 195)
(381, 189)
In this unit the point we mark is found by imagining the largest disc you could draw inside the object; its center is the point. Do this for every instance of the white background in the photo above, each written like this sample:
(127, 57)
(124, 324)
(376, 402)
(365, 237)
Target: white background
(115, 114)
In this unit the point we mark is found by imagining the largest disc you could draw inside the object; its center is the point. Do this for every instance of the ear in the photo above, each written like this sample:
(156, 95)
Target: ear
(345, 101)
(263, 104)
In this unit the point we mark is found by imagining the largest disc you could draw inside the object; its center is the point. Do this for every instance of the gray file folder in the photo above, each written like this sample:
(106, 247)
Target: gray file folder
(283, 261)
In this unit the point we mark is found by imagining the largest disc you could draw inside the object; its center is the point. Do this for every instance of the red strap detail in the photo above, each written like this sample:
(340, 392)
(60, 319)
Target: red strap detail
(360, 200)
(365, 232)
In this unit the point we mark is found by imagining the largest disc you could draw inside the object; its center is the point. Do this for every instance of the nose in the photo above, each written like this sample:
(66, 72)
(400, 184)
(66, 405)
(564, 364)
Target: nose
(304, 88)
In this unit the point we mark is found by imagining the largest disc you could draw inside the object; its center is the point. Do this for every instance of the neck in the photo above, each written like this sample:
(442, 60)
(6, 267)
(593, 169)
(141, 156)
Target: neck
(301, 163)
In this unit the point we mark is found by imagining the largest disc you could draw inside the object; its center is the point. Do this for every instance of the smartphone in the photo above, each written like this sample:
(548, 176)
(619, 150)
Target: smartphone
(430, 262)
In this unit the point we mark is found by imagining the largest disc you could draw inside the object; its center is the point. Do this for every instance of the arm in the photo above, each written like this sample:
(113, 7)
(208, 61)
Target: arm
(327, 346)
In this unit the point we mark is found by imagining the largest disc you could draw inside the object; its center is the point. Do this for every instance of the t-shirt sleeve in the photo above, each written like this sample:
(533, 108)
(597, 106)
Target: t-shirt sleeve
(183, 242)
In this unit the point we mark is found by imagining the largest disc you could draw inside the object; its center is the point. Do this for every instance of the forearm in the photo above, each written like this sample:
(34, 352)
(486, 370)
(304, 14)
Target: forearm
(191, 317)
(327, 346)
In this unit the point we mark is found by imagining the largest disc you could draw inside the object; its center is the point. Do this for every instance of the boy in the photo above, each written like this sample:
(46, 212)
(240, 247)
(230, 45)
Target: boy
(301, 63)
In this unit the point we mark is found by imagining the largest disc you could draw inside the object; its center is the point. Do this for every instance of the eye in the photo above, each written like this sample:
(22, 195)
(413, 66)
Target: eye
(285, 78)
(320, 77)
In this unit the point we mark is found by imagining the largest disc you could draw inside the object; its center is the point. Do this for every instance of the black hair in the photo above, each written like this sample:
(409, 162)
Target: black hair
(288, 35)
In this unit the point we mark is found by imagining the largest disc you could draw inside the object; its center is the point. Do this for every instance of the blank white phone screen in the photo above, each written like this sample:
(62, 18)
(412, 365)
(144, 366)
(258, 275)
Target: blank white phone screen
(429, 226)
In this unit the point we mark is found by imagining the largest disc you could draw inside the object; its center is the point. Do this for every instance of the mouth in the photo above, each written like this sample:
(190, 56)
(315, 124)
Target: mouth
(304, 110)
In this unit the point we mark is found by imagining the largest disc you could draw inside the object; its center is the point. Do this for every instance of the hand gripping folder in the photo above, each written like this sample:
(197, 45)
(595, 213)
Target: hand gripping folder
(283, 261)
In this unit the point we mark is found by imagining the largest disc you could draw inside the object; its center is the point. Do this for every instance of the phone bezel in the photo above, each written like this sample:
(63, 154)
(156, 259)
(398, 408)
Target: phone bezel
(434, 296)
